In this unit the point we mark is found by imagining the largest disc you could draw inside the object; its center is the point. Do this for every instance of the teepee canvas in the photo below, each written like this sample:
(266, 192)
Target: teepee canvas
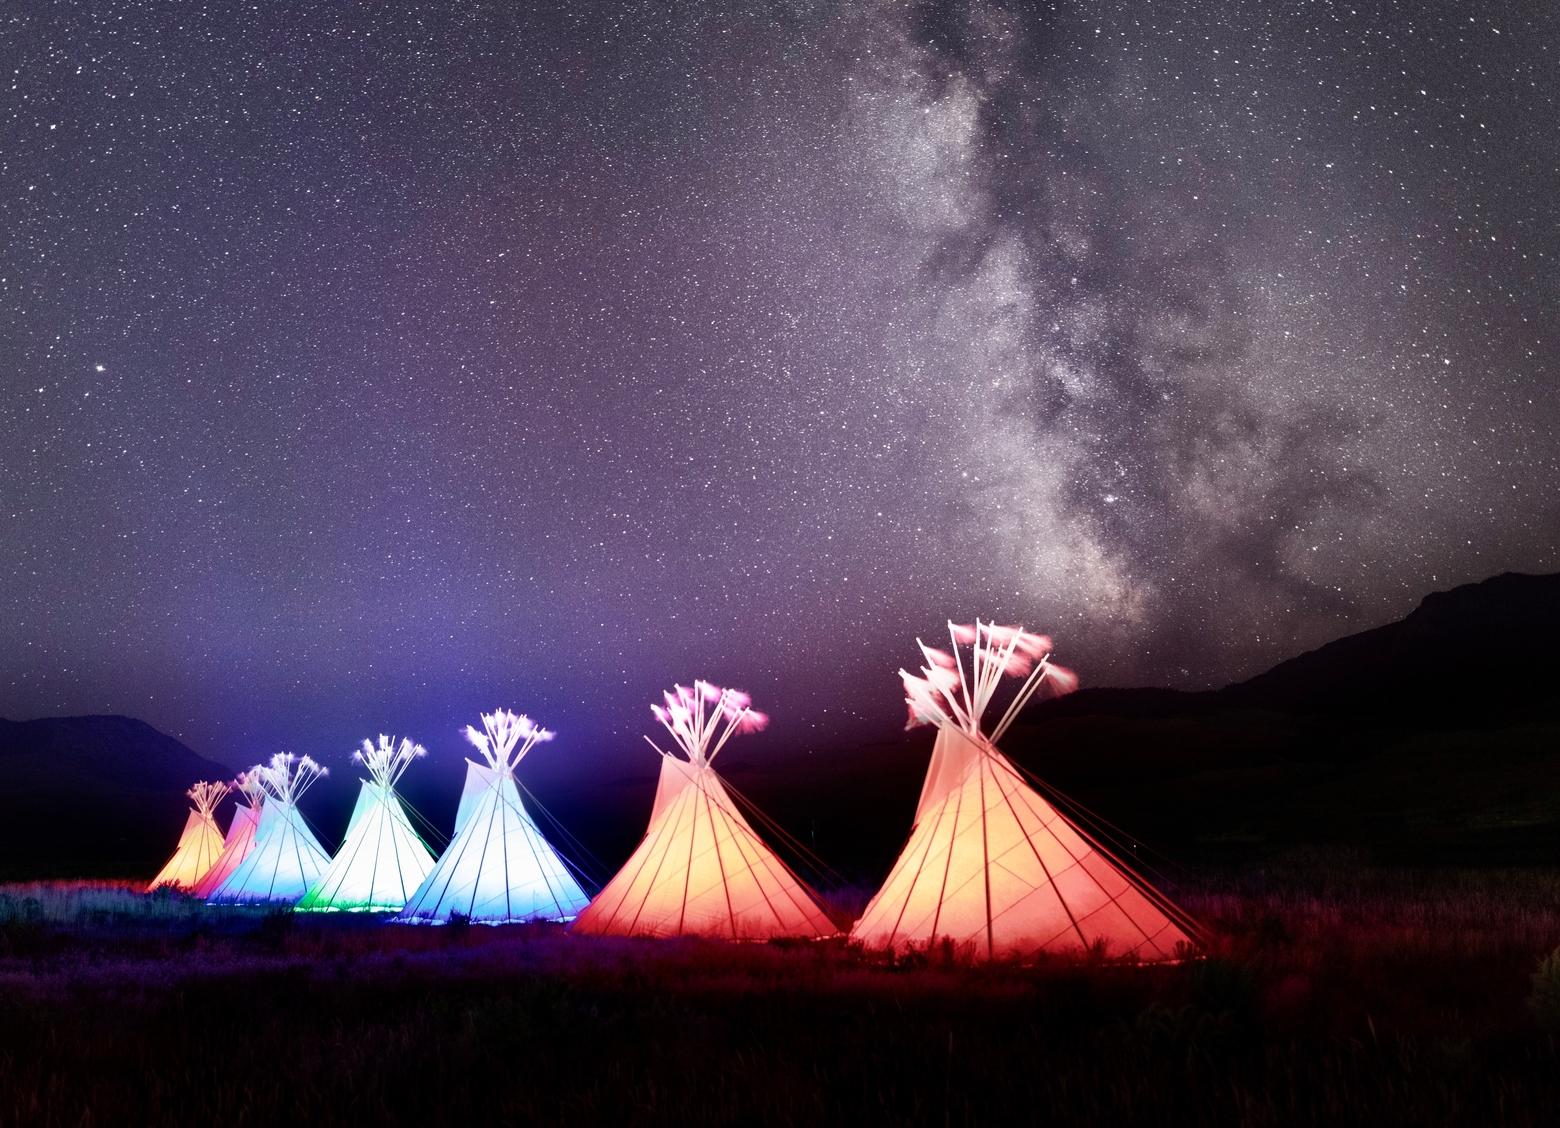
(382, 860)
(701, 869)
(240, 834)
(286, 859)
(199, 845)
(498, 867)
(991, 865)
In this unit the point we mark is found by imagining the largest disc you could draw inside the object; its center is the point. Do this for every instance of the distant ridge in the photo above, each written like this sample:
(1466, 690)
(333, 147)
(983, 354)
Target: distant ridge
(1432, 738)
(99, 795)
(1437, 735)
(1468, 655)
(1478, 650)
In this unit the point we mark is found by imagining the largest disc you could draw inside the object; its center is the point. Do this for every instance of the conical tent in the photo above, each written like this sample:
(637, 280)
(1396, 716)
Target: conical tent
(701, 869)
(200, 844)
(382, 860)
(240, 838)
(498, 867)
(286, 859)
(990, 864)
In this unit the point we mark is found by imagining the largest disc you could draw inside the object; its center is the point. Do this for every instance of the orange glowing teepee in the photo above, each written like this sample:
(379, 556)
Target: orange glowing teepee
(701, 869)
(199, 845)
(991, 865)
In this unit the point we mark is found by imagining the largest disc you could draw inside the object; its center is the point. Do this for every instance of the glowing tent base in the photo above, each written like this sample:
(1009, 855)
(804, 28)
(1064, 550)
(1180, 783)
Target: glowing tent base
(994, 868)
(381, 862)
(285, 862)
(702, 870)
(498, 868)
(240, 841)
(199, 847)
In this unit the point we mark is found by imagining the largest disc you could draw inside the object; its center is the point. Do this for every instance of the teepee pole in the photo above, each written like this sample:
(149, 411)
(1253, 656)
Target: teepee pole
(1025, 692)
(985, 860)
(964, 686)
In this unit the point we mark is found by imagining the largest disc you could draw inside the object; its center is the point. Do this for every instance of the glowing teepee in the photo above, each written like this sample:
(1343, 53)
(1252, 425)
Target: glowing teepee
(991, 865)
(286, 859)
(701, 870)
(240, 834)
(382, 860)
(498, 867)
(199, 845)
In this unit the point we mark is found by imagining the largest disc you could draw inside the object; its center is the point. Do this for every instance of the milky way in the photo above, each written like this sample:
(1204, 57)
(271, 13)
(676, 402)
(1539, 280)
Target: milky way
(365, 369)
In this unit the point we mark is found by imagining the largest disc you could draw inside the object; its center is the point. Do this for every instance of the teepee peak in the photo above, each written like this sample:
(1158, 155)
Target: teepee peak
(505, 738)
(286, 777)
(206, 795)
(388, 760)
(949, 692)
(702, 719)
(248, 784)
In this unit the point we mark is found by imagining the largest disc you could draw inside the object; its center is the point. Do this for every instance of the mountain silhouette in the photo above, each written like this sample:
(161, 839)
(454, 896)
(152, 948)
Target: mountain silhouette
(1432, 739)
(1473, 655)
(97, 795)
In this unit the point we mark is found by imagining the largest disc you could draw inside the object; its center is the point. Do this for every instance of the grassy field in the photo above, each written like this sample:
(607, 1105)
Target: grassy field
(1332, 993)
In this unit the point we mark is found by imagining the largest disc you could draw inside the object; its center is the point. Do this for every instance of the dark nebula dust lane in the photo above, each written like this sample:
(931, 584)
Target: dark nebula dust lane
(364, 370)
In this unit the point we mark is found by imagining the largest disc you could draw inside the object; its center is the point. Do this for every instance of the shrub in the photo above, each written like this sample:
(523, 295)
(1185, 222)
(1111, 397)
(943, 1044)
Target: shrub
(275, 928)
(1545, 998)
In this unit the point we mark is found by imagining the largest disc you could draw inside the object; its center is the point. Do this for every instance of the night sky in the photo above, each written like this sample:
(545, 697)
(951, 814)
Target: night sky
(368, 366)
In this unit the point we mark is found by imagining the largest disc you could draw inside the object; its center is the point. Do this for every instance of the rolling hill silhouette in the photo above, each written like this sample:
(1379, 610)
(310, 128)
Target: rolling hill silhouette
(93, 795)
(1435, 738)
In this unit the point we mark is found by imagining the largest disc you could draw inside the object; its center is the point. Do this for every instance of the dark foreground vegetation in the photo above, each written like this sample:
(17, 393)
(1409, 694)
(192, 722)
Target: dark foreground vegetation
(1332, 993)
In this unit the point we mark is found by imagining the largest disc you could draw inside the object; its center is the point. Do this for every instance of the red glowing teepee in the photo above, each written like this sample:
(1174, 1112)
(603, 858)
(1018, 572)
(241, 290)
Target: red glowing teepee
(991, 865)
(701, 869)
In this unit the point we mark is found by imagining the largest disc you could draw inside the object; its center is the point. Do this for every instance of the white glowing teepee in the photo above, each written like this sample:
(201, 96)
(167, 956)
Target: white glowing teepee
(286, 859)
(498, 867)
(199, 845)
(991, 865)
(382, 860)
(701, 869)
(240, 838)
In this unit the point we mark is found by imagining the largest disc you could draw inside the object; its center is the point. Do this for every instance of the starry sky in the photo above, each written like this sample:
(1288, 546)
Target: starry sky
(369, 365)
